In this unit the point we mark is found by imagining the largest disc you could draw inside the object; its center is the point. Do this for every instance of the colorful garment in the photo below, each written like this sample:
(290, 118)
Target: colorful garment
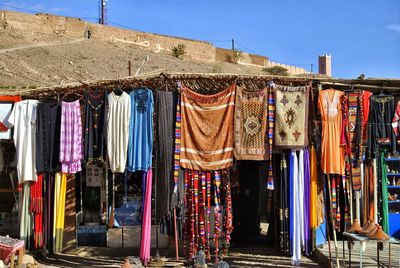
(23, 119)
(140, 146)
(271, 127)
(207, 129)
(396, 120)
(118, 118)
(385, 198)
(60, 191)
(313, 189)
(332, 159)
(291, 116)
(145, 238)
(71, 137)
(36, 208)
(250, 124)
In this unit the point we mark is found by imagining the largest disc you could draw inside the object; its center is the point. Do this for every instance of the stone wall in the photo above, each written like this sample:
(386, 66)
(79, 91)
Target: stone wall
(51, 26)
(57, 26)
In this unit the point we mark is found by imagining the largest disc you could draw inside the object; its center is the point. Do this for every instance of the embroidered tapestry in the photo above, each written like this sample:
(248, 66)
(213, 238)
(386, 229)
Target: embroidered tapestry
(250, 124)
(207, 129)
(291, 116)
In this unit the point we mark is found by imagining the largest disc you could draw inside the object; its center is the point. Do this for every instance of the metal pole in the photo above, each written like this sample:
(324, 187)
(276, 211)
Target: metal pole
(233, 44)
(102, 11)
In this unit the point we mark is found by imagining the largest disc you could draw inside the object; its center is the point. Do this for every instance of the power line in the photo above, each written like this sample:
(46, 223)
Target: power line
(18, 8)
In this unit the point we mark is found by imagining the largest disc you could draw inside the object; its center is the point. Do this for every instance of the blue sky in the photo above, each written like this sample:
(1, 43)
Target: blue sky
(362, 36)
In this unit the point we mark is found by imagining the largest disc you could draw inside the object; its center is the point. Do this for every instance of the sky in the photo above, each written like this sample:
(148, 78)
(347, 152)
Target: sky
(362, 36)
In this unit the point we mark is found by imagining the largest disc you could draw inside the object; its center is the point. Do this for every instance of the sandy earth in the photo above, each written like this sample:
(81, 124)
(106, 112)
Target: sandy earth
(45, 61)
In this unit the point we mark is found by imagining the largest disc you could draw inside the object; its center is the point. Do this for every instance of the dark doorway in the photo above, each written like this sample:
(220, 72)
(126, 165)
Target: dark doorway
(249, 204)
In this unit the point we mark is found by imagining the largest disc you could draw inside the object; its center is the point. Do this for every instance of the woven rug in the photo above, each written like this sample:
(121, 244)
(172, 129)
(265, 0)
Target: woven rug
(291, 115)
(250, 124)
(207, 129)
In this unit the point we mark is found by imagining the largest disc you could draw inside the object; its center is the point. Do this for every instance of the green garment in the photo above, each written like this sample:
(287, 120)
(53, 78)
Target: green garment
(385, 206)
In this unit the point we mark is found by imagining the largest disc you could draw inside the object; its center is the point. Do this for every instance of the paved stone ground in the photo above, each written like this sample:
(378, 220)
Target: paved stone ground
(370, 258)
(105, 257)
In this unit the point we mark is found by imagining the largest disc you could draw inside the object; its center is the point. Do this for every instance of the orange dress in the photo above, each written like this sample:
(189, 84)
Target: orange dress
(329, 104)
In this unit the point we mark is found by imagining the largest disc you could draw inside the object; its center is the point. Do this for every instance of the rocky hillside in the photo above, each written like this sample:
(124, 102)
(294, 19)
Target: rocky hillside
(40, 60)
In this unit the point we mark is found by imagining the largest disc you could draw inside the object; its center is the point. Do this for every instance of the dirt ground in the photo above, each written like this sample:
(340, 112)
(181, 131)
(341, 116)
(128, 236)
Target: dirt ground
(40, 60)
(105, 257)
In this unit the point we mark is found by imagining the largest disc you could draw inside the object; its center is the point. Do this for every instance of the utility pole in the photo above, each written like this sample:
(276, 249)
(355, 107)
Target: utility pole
(129, 68)
(312, 65)
(233, 44)
(103, 11)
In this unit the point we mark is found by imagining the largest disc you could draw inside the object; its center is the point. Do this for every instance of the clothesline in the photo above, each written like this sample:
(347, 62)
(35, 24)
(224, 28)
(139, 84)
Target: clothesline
(197, 81)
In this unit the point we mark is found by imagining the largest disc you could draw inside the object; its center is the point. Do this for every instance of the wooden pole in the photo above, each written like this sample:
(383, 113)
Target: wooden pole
(333, 226)
(176, 237)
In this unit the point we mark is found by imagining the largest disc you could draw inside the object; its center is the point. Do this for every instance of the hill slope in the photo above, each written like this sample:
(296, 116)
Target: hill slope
(43, 60)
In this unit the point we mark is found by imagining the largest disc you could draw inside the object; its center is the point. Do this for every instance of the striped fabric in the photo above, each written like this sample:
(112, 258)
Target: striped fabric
(207, 127)
(177, 153)
(271, 122)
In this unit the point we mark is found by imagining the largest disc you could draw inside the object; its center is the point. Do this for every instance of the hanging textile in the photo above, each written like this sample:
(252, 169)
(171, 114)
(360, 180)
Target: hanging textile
(366, 95)
(177, 196)
(145, 238)
(250, 124)
(380, 130)
(284, 210)
(197, 224)
(71, 137)
(307, 205)
(354, 110)
(384, 196)
(313, 189)
(296, 215)
(6, 106)
(291, 116)
(140, 130)
(118, 118)
(60, 190)
(36, 208)
(207, 127)
(25, 217)
(332, 159)
(165, 147)
(94, 127)
(396, 121)
(47, 137)
(49, 194)
(23, 119)
(228, 214)
(271, 125)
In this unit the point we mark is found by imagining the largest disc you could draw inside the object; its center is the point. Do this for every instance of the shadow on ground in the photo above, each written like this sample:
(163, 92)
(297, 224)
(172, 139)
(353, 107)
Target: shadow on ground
(106, 257)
